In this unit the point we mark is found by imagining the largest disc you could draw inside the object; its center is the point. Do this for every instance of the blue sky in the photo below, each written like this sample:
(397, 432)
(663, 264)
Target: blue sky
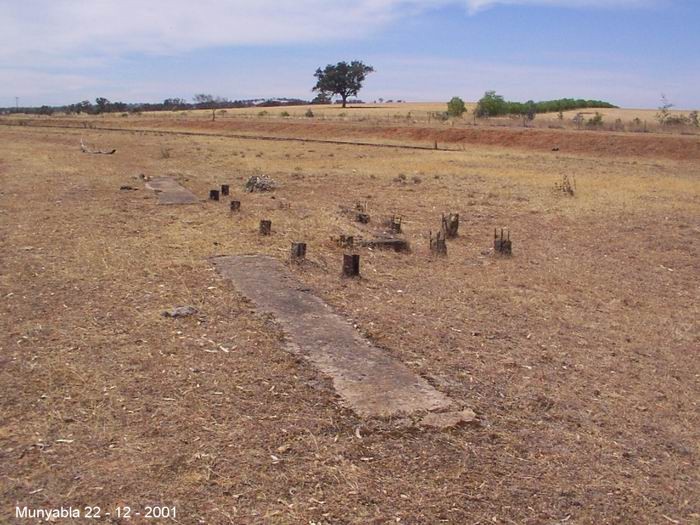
(625, 51)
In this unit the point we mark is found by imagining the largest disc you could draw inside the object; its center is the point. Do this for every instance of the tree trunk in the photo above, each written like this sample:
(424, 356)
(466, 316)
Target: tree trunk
(345, 99)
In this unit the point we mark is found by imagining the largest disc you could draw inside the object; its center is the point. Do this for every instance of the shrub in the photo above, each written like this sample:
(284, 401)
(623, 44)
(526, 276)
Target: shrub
(676, 120)
(309, 113)
(493, 105)
(284, 114)
(456, 107)
(664, 110)
(693, 118)
(440, 115)
(596, 121)
(263, 113)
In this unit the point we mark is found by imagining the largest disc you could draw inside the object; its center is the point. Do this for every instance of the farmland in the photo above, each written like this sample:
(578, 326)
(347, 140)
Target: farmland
(578, 354)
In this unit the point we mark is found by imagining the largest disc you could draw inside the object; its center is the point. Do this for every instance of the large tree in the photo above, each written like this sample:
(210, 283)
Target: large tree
(342, 79)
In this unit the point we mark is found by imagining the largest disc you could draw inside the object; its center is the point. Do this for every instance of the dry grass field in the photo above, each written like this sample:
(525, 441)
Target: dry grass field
(579, 353)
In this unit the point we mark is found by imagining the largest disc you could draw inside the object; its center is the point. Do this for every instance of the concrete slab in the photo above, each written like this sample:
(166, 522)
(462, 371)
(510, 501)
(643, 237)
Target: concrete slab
(169, 191)
(368, 381)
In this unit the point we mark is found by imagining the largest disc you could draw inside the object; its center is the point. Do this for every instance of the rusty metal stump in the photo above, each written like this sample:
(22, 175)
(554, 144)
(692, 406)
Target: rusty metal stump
(351, 265)
(438, 245)
(213, 195)
(298, 251)
(394, 223)
(450, 225)
(265, 227)
(502, 245)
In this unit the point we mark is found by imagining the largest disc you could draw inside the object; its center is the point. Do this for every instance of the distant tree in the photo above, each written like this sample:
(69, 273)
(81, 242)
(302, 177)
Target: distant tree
(204, 101)
(45, 110)
(530, 110)
(322, 98)
(664, 110)
(174, 103)
(491, 105)
(456, 107)
(342, 79)
(101, 105)
(83, 107)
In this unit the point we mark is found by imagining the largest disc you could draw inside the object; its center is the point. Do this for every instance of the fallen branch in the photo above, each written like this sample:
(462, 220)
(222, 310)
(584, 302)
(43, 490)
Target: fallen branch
(85, 149)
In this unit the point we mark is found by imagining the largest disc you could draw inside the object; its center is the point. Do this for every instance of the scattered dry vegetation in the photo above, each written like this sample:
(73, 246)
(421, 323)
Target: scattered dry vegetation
(579, 353)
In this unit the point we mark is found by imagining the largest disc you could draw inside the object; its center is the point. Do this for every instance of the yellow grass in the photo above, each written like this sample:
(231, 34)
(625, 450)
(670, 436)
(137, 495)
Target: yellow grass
(576, 353)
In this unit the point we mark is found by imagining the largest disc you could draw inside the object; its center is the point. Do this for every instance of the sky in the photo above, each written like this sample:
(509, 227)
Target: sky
(628, 52)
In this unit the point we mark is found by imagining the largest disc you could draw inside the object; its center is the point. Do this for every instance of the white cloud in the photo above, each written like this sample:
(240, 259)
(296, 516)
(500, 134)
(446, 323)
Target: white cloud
(53, 50)
(113, 28)
(478, 5)
(50, 28)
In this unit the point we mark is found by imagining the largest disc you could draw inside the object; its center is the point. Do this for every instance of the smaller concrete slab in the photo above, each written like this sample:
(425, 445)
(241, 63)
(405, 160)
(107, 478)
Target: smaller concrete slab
(169, 191)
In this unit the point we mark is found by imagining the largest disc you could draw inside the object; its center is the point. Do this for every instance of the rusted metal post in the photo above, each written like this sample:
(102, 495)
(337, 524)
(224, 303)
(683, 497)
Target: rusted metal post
(235, 205)
(503, 244)
(351, 265)
(298, 251)
(395, 224)
(213, 195)
(450, 225)
(362, 217)
(265, 227)
(224, 190)
(438, 245)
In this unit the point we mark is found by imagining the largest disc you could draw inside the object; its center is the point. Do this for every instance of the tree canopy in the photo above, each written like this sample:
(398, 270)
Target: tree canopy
(456, 107)
(493, 105)
(342, 79)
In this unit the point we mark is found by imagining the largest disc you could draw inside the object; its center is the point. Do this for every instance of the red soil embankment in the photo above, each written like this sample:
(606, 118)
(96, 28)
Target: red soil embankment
(597, 143)
(674, 147)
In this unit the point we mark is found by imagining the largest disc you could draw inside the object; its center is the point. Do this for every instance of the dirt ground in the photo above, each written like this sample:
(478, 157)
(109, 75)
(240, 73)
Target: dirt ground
(672, 144)
(579, 354)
